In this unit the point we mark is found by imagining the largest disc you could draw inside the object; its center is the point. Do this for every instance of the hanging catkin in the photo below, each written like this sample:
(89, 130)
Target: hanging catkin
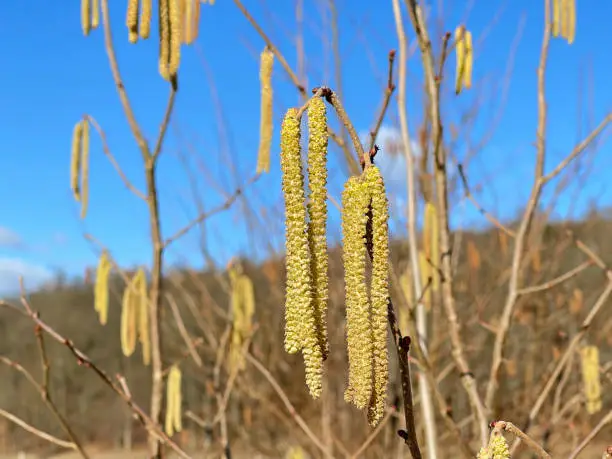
(317, 211)
(464, 55)
(298, 289)
(142, 295)
(75, 161)
(266, 127)
(169, 38)
(101, 287)
(355, 200)
(86, 16)
(129, 316)
(589, 357)
(243, 308)
(379, 292)
(95, 14)
(85, 169)
(173, 422)
(189, 19)
(146, 14)
(131, 20)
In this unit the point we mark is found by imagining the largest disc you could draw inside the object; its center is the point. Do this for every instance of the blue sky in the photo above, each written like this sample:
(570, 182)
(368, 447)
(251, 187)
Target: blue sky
(53, 74)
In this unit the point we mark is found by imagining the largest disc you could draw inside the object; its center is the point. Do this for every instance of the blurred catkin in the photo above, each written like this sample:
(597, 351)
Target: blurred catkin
(243, 309)
(95, 14)
(379, 291)
(298, 289)
(146, 14)
(86, 16)
(132, 20)
(317, 210)
(464, 54)
(266, 127)
(129, 316)
(190, 18)
(142, 300)
(564, 19)
(173, 422)
(556, 6)
(101, 287)
(84, 163)
(431, 243)
(355, 201)
(75, 160)
(589, 357)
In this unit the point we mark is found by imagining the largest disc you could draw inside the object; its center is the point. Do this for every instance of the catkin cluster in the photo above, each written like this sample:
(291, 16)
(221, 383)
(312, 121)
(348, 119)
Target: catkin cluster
(174, 401)
(364, 206)
(465, 59)
(101, 287)
(243, 308)
(564, 19)
(90, 15)
(135, 317)
(79, 164)
(306, 244)
(266, 127)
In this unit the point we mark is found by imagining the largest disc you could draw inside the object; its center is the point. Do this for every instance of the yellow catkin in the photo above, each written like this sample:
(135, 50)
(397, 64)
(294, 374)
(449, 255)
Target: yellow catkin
(556, 17)
(173, 421)
(266, 127)
(75, 161)
(355, 201)
(460, 54)
(243, 309)
(576, 301)
(174, 19)
(86, 16)
(142, 300)
(129, 312)
(295, 452)
(146, 13)
(379, 292)
(95, 14)
(317, 211)
(496, 449)
(101, 287)
(132, 20)
(571, 33)
(589, 356)
(84, 174)
(565, 9)
(469, 60)
(431, 243)
(190, 19)
(298, 288)
(164, 38)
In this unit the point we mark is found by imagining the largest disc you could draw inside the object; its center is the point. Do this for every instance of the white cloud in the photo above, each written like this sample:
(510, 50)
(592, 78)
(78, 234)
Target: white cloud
(11, 269)
(9, 238)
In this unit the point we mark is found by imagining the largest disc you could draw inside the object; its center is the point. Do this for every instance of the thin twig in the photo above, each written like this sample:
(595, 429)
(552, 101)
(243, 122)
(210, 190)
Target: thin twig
(107, 152)
(39, 433)
(557, 280)
(368, 441)
(509, 427)
(386, 101)
(607, 419)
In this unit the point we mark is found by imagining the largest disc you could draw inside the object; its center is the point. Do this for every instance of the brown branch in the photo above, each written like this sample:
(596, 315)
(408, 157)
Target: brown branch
(290, 408)
(557, 280)
(163, 128)
(107, 152)
(386, 101)
(482, 210)
(39, 433)
(523, 232)
(226, 205)
(189, 342)
(509, 427)
(432, 86)
(86, 362)
(607, 419)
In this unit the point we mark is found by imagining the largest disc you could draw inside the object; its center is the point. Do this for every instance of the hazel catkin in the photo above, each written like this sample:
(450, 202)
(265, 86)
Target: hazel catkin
(317, 211)
(173, 421)
(379, 291)
(355, 201)
(131, 20)
(101, 287)
(266, 126)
